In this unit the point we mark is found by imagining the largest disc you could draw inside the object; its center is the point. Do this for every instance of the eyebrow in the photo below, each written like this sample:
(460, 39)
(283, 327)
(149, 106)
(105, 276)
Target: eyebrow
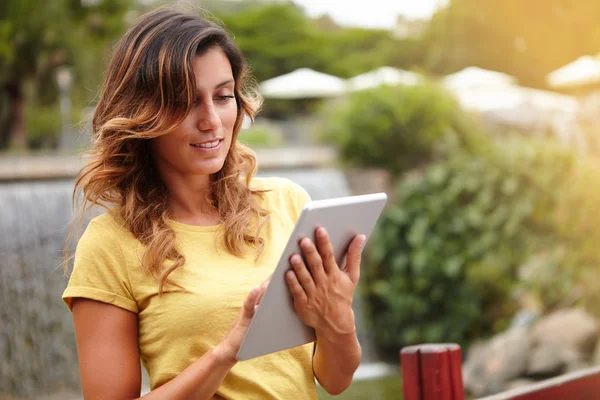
(224, 83)
(219, 85)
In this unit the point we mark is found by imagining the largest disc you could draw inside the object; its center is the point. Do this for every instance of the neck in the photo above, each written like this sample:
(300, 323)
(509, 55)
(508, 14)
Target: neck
(188, 199)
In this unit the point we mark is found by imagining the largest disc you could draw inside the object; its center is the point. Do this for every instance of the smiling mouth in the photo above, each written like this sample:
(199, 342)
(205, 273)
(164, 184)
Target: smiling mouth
(207, 145)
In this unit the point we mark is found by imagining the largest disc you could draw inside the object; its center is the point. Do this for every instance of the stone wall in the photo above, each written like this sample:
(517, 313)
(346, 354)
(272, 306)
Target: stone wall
(560, 342)
(37, 347)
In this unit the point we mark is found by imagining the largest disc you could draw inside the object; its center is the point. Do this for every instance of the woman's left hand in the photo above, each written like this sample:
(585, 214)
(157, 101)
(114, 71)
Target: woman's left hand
(322, 291)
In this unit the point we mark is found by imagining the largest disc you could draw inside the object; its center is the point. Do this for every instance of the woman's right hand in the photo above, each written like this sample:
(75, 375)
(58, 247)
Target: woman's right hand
(227, 349)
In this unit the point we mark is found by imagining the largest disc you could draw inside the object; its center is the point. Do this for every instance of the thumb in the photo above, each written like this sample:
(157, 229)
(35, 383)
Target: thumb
(261, 290)
(353, 258)
(248, 308)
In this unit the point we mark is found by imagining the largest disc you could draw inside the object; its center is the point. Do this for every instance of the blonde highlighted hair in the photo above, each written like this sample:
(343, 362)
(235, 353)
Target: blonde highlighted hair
(148, 90)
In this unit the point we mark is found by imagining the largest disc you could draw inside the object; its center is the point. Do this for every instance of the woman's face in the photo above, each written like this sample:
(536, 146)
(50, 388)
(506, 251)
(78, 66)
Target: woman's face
(199, 145)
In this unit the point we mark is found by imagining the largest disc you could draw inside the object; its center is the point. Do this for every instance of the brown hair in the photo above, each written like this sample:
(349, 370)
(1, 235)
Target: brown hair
(148, 90)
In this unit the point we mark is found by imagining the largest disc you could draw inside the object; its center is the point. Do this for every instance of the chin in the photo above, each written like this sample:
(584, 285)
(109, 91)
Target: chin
(208, 168)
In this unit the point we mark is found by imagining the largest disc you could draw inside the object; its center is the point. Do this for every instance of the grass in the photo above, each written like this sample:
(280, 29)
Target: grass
(386, 388)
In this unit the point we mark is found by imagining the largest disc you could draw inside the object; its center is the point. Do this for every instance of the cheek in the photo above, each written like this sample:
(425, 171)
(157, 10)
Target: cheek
(229, 116)
(161, 147)
(166, 144)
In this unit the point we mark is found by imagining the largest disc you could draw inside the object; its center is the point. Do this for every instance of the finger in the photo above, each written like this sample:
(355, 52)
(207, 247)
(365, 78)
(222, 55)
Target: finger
(296, 288)
(325, 250)
(262, 289)
(248, 308)
(302, 274)
(268, 280)
(353, 258)
(313, 261)
(259, 297)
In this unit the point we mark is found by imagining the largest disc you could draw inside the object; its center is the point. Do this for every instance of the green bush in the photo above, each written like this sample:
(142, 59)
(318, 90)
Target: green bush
(399, 127)
(566, 273)
(43, 126)
(576, 221)
(445, 253)
(260, 136)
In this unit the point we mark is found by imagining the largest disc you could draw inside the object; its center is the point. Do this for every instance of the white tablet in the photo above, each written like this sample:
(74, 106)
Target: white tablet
(276, 325)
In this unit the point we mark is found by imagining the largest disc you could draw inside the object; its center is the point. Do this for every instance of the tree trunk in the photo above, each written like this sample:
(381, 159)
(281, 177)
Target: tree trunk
(16, 115)
(4, 133)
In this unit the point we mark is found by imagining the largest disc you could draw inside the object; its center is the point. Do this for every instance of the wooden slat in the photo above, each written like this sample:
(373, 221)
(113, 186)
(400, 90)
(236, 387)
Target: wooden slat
(411, 373)
(435, 373)
(455, 355)
(579, 385)
(432, 372)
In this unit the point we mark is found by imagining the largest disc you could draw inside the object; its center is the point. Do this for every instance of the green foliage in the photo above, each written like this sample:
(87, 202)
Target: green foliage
(95, 30)
(352, 51)
(282, 109)
(399, 127)
(43, 126)
(279, 38)
(547, 281)
(564, 272)
(6, 51)
(576, 222)
(385, 388)
(38, 37)
(260, 136)
(276, 39)
(445, 253)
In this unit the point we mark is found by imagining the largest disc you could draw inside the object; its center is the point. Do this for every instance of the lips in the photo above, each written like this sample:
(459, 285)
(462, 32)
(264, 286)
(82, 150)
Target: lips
(207, 145)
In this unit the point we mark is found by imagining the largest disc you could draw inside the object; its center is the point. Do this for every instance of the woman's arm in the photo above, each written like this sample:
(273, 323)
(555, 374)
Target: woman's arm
(109, 360)
(323, 298)
(336, 359)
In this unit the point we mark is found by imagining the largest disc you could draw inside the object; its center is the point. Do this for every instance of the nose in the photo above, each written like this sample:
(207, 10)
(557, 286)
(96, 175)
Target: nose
(208, 118)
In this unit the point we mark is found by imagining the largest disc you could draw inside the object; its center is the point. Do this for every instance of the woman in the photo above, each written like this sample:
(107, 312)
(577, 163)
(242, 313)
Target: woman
(164, 274)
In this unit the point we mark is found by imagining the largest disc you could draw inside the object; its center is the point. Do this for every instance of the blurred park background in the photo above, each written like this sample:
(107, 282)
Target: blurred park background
(480, 119)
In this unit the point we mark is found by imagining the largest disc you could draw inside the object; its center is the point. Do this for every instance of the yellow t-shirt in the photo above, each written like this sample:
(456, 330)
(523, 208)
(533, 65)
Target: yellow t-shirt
(177, 329)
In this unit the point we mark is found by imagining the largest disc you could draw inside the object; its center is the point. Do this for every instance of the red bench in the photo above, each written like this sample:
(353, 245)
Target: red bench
(434, 372)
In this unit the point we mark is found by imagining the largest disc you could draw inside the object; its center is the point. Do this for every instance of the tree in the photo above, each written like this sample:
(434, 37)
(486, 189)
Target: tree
(39, 37)
(527, 39)
(276, 39)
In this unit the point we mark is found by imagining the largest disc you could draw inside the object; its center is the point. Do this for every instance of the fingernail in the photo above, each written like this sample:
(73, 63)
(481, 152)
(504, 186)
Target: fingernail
(321, 232)
(305, 243)
(364, 241)
(295, 259)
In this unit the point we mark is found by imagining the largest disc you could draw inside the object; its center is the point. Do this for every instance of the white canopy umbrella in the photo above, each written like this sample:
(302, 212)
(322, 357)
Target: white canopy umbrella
(303, 83)
(584, 70)
(383, 76)
(513, 97)
(487, 99)
(477, 77)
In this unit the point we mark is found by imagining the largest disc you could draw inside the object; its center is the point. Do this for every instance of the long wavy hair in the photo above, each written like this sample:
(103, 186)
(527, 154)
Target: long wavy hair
(147, 92)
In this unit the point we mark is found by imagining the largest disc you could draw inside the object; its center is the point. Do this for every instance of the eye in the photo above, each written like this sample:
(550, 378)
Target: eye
(225, 99)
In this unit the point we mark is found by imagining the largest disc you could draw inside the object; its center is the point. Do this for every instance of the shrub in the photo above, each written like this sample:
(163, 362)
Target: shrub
(398, 127)
(576, 222)
(445, 253)
(43, 126)
(260, 136)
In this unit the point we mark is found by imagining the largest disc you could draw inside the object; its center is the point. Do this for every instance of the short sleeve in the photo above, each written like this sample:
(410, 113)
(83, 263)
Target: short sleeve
(298, 198)
(100, 271)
